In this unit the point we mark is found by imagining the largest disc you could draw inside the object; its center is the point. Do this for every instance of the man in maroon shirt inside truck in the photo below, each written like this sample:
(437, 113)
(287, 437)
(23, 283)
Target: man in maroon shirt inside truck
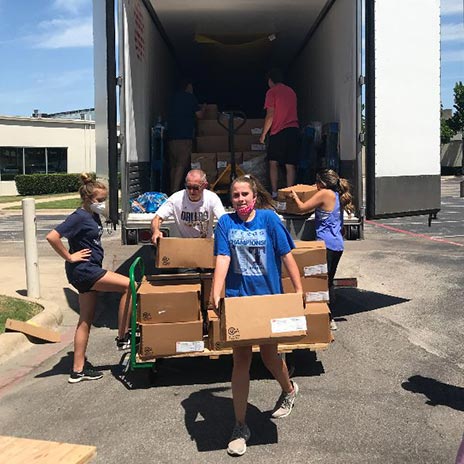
(281, 123)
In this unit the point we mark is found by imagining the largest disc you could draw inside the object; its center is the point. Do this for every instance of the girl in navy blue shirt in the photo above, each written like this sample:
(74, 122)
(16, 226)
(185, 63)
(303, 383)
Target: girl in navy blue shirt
(333, 197)
(250, 245)
(84, 271)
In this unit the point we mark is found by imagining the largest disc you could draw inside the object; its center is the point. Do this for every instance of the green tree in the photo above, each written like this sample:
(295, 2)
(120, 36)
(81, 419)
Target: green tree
(446, 133)
(456, 122)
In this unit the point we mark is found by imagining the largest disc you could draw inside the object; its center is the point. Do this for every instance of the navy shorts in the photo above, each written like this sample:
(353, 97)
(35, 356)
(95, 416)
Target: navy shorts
(283, 146)
(82, 276)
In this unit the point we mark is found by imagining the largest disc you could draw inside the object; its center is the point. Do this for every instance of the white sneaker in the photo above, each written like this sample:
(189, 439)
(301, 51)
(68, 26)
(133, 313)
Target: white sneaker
(285, 403)
(237, 443)
(333, 325)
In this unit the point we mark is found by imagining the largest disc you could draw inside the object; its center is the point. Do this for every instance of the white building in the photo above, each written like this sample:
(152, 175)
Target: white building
(39, 145)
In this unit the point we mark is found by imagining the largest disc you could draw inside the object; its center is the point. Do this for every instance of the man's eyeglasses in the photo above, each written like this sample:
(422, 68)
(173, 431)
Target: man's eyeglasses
(193, 187)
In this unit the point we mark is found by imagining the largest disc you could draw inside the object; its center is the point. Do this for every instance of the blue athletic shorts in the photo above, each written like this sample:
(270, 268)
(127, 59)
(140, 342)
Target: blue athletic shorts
(82, 276)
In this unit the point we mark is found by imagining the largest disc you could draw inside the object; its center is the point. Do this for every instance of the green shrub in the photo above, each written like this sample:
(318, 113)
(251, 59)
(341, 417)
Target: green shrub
(42, 184)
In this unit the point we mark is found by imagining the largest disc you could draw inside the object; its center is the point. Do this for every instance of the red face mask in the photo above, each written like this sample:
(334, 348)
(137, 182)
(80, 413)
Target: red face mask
(245, 210)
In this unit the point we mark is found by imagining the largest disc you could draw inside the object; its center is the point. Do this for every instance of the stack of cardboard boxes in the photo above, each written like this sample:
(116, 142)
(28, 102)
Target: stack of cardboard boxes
(212, 153)
(170, 319)
(170, 306)
(311, 259)
(173, 308)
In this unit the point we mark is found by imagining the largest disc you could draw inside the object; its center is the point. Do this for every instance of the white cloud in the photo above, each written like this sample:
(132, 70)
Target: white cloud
(453, 55)
(449, 7)
(65, 33)
(452, 31)
(71, 6)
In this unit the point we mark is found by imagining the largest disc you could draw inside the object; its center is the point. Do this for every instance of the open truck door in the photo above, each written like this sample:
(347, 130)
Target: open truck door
(106, 137)
(402, 107)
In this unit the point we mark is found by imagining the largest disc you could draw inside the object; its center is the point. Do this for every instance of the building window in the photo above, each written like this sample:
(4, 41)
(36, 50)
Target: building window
(34, 161)
(57, 160)
(28, 160)
(11, 162)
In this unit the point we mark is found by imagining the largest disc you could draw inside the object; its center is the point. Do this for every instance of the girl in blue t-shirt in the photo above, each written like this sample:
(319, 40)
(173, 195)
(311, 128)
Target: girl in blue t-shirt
(333, 197)
(84, 271)
(250, 245)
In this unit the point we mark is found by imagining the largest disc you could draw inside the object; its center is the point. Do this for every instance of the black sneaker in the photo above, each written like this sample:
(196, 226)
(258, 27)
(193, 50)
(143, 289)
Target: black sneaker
(85, 374)
(123, 343)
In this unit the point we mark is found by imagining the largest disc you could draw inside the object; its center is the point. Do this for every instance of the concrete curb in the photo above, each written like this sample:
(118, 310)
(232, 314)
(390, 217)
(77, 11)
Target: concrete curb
(12, 343)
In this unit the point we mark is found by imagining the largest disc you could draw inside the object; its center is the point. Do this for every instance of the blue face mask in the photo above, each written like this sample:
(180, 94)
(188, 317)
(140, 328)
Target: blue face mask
(99, 208)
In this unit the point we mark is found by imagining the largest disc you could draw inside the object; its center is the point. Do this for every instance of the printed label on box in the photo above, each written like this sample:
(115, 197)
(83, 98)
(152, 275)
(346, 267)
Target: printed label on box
(288, 324)
(221, 164)
(315, 270)
(256, 131)
(258, 147)
(281, 206)
(189, 347)
(195, 165)
(317, 296)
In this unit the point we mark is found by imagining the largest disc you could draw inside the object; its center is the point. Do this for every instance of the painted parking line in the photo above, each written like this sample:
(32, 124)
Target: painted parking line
(413, 234)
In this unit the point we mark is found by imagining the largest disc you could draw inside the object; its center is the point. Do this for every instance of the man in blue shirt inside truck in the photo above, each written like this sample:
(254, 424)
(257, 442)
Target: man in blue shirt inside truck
(184, 107)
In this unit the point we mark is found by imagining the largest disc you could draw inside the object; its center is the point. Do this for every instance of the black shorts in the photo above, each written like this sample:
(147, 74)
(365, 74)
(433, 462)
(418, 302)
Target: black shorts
(82, 276)
(283, 146)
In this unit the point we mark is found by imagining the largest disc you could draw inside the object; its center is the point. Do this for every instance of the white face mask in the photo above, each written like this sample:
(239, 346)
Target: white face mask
(99, 208)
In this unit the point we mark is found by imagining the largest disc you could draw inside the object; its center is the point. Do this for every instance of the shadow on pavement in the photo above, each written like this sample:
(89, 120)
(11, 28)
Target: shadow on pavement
(202, 370)
(438, 393)
(64, 366)
(350, 301)
(209, 419)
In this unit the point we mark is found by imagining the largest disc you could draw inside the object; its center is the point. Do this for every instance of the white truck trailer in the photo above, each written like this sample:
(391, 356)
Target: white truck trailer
(228, 45)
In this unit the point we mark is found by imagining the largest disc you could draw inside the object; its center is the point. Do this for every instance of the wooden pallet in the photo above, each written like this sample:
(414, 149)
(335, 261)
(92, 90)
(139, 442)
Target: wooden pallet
(215, 354)
(15, 450)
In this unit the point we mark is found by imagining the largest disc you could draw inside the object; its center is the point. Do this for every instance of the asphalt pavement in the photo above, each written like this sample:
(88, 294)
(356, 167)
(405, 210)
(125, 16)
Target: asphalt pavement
(390, 389)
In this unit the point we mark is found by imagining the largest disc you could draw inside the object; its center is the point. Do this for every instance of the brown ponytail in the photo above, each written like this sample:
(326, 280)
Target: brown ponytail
(329, 179)
(263, 198)
(89, 184)
(346, 199)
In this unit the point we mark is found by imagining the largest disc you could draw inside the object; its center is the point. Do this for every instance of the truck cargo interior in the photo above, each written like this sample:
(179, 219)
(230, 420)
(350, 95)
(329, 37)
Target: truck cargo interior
(227, 46)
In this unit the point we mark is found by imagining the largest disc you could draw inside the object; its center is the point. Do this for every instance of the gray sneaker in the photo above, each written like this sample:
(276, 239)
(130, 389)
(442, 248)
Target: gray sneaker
(285, 403)
(237, 443)
(333, 325)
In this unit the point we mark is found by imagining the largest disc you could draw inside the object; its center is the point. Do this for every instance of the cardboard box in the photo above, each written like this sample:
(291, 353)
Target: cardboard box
(318, 323)
(171, 339)
(262, 319)
(223, 160)
(185, 252)
(206, 162)
(206, 287)
(207, 127)
(311, 260)
(286, 204)
(215, 342)
(168, 303)
(245, 142)
(210, 112)
(251, 127)
(32, 330)
(315, 288)
(213, 143)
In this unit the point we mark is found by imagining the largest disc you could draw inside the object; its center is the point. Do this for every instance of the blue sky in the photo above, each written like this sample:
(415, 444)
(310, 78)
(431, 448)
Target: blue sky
(47, 60)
